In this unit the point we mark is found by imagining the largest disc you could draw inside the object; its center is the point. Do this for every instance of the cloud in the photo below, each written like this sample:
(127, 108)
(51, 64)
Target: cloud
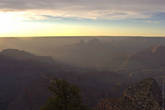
(86, 9)
(83, 4)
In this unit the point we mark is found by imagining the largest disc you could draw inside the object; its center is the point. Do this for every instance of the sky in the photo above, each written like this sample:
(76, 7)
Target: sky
(23, 18)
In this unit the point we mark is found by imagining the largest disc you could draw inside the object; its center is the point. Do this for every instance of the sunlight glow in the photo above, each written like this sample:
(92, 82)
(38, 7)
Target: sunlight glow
(34, 23)
(9, 22)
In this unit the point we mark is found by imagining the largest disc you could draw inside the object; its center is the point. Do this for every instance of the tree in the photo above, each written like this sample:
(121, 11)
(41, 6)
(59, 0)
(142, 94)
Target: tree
(65, 96)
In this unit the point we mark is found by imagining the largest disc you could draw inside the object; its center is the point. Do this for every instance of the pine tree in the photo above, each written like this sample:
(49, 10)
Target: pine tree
(65, 96)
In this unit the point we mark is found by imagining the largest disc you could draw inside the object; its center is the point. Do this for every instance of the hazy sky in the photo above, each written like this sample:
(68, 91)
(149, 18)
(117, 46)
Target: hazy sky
(82, 17)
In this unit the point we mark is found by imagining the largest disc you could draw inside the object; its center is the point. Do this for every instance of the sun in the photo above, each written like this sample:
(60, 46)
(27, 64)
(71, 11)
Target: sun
(9, 22)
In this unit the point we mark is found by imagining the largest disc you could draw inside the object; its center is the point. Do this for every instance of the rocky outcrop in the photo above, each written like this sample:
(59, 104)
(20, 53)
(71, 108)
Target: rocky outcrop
(145, 95)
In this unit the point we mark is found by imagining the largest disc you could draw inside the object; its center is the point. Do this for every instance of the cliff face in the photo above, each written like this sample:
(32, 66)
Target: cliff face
(145, 95)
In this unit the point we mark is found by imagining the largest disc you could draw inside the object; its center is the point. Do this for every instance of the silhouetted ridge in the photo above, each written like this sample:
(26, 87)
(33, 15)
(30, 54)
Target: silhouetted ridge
(150, 57)
(156, 50)
(16, 53)
(23, 55)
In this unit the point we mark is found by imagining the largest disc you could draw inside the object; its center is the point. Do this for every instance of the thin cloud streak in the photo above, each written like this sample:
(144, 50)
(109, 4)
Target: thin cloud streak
(86, 9)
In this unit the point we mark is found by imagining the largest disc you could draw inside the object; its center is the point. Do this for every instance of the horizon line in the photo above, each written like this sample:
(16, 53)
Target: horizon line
(79, 36)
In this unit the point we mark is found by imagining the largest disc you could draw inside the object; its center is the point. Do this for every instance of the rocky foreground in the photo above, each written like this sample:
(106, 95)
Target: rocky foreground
(145, 95)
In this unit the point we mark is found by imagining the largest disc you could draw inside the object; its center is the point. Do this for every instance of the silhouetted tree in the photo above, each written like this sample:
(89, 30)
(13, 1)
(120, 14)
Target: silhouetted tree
(65, 97)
